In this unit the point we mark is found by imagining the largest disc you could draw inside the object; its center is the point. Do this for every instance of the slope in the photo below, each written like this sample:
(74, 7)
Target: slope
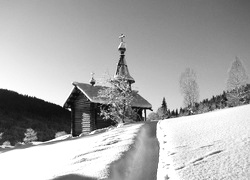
(214, 145)
(88, 156)
(19, 112)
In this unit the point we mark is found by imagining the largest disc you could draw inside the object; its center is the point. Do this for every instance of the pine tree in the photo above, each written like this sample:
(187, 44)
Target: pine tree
(163, 110)
(164, 104)
(30, 136)
(181, 112)
(176, 112)
(173, 113)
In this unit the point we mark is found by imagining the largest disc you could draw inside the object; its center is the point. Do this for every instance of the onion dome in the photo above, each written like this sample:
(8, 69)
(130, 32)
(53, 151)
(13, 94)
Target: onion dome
(92, 80)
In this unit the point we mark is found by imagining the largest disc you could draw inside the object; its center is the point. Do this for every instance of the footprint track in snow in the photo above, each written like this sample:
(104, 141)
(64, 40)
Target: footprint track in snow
(206, 156)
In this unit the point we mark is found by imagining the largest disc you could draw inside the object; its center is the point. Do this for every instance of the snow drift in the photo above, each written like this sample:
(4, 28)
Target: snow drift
(214, 145)
(139, 162)
(89, 157)
(125, 153)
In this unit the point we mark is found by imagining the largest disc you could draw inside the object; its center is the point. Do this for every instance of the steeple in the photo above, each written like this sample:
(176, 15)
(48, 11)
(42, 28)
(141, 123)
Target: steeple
(122, 67)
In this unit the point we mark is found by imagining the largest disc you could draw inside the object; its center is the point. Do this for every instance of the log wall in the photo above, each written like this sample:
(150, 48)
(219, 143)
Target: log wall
(82, 115)
(93, 112)
(86, 116)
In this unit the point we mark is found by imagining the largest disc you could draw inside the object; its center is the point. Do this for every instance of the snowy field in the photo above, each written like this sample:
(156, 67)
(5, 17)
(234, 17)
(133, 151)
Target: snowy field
(88, 156)
(214, 145)
(211, 146)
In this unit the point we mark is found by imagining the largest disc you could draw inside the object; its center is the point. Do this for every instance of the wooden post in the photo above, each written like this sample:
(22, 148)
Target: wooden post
(145, 115)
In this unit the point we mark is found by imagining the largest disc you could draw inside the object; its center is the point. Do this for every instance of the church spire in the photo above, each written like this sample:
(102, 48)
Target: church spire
(122, 67)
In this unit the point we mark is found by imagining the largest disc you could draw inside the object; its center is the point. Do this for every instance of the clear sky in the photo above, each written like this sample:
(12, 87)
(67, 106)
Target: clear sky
(45, 45)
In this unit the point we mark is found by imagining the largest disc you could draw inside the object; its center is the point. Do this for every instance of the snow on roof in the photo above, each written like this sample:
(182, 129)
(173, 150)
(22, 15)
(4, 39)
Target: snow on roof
(213, 145)
(91, 92)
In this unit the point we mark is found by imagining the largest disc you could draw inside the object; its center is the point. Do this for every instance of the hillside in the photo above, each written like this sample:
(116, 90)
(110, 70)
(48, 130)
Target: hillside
(213, 145)
(74, 158)
(19, 112)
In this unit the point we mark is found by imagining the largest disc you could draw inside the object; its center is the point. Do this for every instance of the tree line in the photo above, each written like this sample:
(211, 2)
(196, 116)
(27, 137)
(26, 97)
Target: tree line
(21, 112)
(237, 93)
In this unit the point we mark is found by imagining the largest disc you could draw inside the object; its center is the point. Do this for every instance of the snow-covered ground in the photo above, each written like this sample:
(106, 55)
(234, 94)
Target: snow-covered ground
(214, 145)
(89, 156)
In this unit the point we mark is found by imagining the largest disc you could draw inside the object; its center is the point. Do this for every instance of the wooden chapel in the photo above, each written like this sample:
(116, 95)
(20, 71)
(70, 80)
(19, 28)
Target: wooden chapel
(85, 106)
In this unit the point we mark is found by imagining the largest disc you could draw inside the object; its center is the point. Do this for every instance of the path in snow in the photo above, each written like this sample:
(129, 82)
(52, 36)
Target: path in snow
(214, 145)
(130, 152)
(140, 162)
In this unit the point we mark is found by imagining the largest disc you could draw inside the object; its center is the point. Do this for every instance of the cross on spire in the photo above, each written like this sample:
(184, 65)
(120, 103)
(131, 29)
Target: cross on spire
(121, 37)
(122, 67)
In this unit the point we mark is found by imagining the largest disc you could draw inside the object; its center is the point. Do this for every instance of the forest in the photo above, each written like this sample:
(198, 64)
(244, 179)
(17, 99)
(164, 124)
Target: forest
(21, 112)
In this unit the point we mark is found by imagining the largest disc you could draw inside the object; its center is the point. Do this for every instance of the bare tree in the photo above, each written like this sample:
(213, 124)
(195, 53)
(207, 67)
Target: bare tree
(237, 79)
(237, 76)
(189, 87)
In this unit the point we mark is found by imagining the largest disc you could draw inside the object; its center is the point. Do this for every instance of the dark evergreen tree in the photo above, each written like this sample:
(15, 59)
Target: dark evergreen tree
(180, 112)
(168, 112)
(163, 110)
(173, 113)
(176, 112)
(164, 104)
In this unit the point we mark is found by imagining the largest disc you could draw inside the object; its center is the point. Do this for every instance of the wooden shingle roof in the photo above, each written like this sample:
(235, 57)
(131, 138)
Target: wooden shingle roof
(91, 92)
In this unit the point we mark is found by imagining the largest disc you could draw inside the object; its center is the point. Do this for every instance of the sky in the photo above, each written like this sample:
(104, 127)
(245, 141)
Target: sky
(46, 45)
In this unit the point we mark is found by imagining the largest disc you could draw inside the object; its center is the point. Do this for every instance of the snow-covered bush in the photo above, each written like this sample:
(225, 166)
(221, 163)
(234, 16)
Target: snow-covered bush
(1, 135)
(6, 144)
(18, 144)
(30, 136)
(60, 133)
(153, 116)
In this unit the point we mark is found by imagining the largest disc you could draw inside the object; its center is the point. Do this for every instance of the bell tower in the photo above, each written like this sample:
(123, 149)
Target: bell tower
(122, 67)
